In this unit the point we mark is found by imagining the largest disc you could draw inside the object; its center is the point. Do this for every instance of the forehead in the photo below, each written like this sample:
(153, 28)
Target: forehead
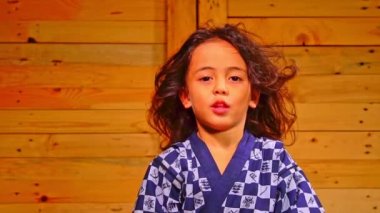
(216, 52)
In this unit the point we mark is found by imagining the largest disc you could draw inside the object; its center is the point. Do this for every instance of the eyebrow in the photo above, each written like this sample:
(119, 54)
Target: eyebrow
(236, 68)
(228, 68)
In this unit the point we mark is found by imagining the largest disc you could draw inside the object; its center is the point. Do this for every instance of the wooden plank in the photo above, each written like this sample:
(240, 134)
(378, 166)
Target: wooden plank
(350, 200)
(73, 121)
(336, 89)
(82, 190)
(82, 10)
(83, 31)
(99, 54)
(288, 8)
(342, 173)
(337, 117)
(99, 169)
(334, 60)
(333, 200)
(314, 31)
(25, 175)
(212, 12)
(181, 22)
(308, 145)
(71, 179)
(306, 89)
(322, 173)
(334, 145)
(74, 75)
(74, 98)
(67, 207)
(311, 117)
(79, 145)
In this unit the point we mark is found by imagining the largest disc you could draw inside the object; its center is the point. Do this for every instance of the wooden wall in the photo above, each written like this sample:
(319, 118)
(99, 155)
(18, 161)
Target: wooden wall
(75, 81)
(76, 77)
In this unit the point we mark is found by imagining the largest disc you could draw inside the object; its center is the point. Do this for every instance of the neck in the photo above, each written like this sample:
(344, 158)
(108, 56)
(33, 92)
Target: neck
(221, 139)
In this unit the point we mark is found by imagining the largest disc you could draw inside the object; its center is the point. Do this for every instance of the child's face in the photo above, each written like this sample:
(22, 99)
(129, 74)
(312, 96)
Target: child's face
(217, 87)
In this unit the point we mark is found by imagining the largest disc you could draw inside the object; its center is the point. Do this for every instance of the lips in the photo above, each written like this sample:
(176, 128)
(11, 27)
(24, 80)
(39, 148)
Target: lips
(220, 107)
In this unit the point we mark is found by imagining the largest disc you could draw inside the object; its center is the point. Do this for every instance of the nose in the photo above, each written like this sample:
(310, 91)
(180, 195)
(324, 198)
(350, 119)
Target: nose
(220, 87)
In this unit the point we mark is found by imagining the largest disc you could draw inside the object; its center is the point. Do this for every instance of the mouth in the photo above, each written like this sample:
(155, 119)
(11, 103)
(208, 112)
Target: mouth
(220, 107)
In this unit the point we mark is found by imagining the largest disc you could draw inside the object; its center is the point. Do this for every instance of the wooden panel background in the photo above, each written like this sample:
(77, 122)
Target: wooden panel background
(76, 77)
(75, 82)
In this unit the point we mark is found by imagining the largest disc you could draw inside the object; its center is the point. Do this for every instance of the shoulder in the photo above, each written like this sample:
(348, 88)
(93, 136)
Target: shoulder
(269, 149)
(274, 150)
(176, 150)
(267, 143)
(166, 170)
(173, 157)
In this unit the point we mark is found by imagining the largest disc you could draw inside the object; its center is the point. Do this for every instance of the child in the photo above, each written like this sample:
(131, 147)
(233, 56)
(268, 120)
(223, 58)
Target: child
(220, 101)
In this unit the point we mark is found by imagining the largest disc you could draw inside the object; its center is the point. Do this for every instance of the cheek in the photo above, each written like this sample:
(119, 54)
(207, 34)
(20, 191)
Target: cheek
(198, 100)
(244, 94)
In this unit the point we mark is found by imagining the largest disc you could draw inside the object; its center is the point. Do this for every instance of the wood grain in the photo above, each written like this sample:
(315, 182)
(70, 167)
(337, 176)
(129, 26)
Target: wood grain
(77, 75)
(67, 207)
(350, 200)
(73, 179)
(311, 117)
(79, 145)
(314, 31)
(105, 54)
(337, 117)
(308, 145)
(212, 13)
(74, 121)
(345, 173)
(334, 145)
(93, 10)
(78, 169)
(20, 72)
(82, 190)
(83, 31)
(288, 8)
(336, 89)
(181, 23)
(305, 89)
(336, 60)
(75, 98)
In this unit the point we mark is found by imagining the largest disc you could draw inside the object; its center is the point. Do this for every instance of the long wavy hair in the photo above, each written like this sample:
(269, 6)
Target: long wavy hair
(275, 112)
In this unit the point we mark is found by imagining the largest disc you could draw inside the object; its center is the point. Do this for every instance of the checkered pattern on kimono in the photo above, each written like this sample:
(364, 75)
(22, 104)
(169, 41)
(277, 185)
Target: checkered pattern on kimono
(270, 181)
(258, 190)
(163, 188)
(296, 193)
(161, 184)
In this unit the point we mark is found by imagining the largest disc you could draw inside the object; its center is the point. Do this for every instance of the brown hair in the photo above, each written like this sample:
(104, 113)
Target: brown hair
(275, 112)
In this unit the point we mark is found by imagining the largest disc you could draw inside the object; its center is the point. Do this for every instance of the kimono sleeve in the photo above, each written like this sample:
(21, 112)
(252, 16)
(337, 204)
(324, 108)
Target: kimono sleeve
(295, 191)
(161, 186)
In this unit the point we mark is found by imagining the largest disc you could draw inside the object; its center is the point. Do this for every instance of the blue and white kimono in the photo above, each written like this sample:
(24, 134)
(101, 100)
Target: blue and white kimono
(261, 177)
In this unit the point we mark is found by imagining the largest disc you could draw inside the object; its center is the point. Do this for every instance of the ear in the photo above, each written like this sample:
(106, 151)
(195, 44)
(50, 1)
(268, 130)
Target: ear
(184, 97)
(255, 96)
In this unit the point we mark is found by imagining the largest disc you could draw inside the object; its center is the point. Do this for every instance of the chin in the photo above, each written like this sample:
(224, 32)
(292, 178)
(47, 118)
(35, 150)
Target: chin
(218, 127)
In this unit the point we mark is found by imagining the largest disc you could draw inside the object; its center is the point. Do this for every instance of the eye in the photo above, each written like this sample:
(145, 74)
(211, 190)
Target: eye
(205, 78)
(236, 78)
